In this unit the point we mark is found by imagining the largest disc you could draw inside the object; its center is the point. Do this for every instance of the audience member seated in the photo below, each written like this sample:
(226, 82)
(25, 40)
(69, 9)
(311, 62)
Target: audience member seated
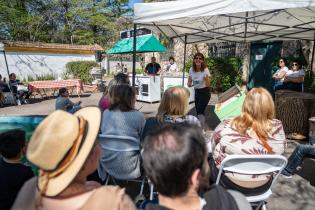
(119, 79)
(297, 157)
(175, 160)
(64, 103)
(121, 123)
(4, 87)
(255, 132)
(63, 146)
(13, 173)
(22, 95)
(173, 109)
(294, 78)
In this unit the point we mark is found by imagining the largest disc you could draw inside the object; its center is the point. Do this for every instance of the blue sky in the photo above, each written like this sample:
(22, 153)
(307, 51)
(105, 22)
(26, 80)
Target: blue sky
(131, 2)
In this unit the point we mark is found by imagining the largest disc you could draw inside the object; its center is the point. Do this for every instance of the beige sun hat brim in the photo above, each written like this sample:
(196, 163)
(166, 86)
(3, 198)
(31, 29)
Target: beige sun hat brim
(57, 184)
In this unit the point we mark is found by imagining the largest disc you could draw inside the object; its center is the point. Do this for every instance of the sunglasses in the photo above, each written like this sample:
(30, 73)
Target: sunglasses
(198, 58)
(295, 64)
(280, 61)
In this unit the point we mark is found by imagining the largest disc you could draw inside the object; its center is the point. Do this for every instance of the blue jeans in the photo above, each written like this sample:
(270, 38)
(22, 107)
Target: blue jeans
(74, 109)
(298, 155)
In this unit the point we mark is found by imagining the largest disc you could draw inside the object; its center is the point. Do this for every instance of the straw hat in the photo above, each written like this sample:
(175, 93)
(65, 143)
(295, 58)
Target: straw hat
(60, 145)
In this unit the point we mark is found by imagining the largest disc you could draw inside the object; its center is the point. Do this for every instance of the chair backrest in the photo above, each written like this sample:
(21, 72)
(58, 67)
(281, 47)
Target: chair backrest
(122, 157)
(253, 165)
(119, 143)
(8, 98)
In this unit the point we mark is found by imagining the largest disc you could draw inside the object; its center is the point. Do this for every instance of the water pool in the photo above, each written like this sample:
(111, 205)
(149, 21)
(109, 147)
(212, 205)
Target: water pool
(26, 123)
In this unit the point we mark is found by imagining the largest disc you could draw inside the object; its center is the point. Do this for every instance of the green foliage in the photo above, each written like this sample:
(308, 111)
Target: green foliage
(309, 82)
(45, 77)
(80, 70)
(225, 72)
(139, 71)
(31, 78)
(60, 21)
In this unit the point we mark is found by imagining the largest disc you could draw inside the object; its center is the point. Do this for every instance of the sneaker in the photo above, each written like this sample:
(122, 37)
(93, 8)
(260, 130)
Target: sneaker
(286, 174)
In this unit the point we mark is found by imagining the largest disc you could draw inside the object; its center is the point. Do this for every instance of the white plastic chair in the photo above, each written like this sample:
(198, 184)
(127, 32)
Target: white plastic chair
(252, 165)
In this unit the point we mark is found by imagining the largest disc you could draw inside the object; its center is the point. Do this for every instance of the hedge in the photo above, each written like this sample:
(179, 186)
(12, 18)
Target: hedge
(80, 70)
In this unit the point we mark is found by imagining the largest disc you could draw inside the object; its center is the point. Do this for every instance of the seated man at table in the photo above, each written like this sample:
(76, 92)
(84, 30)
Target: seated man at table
(153, 67)
(20, 91)
(64, 103)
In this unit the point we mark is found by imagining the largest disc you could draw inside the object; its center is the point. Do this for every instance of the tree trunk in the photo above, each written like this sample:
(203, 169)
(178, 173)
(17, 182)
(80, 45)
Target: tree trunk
(294, 109)
(246, 62)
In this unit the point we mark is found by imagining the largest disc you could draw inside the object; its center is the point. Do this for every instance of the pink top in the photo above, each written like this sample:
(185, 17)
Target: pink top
(104, 103)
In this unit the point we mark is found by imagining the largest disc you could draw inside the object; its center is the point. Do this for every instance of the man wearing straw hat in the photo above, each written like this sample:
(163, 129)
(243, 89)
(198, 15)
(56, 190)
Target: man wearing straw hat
(63, 146)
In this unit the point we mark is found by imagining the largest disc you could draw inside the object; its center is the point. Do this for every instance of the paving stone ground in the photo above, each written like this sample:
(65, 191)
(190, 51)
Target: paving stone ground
(297, 193)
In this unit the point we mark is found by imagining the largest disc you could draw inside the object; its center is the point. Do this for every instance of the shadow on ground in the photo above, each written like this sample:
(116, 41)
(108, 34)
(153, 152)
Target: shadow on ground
(212, 121)
(307, 170)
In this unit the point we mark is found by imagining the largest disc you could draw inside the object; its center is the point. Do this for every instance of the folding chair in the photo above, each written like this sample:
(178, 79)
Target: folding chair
(121, 144)
(252, 165)
(9, 98)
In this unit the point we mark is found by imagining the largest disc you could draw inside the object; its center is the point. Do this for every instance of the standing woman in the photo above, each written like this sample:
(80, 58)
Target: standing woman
(280, 75)
(199, 78)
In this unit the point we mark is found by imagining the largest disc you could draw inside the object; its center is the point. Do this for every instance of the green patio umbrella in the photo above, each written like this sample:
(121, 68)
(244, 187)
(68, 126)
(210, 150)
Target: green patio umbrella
(145, 43)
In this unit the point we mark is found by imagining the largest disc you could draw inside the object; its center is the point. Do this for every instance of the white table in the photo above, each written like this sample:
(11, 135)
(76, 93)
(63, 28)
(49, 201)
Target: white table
(148, 88)
(171, 81)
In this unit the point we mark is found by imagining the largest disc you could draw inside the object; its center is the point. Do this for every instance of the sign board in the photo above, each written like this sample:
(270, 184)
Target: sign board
(139, 32)
(259, 57)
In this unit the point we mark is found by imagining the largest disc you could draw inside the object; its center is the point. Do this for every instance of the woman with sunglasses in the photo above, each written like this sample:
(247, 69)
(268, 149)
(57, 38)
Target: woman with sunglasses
(199, 79)
(280, 75)
(294, 78)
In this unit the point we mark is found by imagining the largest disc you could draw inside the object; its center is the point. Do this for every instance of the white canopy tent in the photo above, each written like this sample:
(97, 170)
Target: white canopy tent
(229, 20)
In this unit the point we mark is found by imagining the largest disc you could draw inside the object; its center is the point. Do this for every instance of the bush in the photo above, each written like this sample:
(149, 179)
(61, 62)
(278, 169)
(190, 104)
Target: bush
(139, 71)
(30, 78)
(225, 72)
(80, 70)
(46, 77)
(309, 81)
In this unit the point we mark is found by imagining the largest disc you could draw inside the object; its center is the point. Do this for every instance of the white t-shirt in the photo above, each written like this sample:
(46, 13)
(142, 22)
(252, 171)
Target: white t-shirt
(296, 74)
(279, 71)
(198, 77)
(171, 67)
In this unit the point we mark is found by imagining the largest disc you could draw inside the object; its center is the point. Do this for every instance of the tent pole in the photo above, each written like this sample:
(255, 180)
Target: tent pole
(184, 61)
(312, 71)
(246, 22)
(134, 54)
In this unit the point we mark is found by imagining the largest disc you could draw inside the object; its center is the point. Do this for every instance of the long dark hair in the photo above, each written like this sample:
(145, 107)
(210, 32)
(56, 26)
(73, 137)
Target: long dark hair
(203, 64)
(122, 97)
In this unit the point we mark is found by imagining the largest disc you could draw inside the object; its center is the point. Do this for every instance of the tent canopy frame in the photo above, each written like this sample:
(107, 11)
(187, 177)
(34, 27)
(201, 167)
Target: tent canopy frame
(242, 17)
